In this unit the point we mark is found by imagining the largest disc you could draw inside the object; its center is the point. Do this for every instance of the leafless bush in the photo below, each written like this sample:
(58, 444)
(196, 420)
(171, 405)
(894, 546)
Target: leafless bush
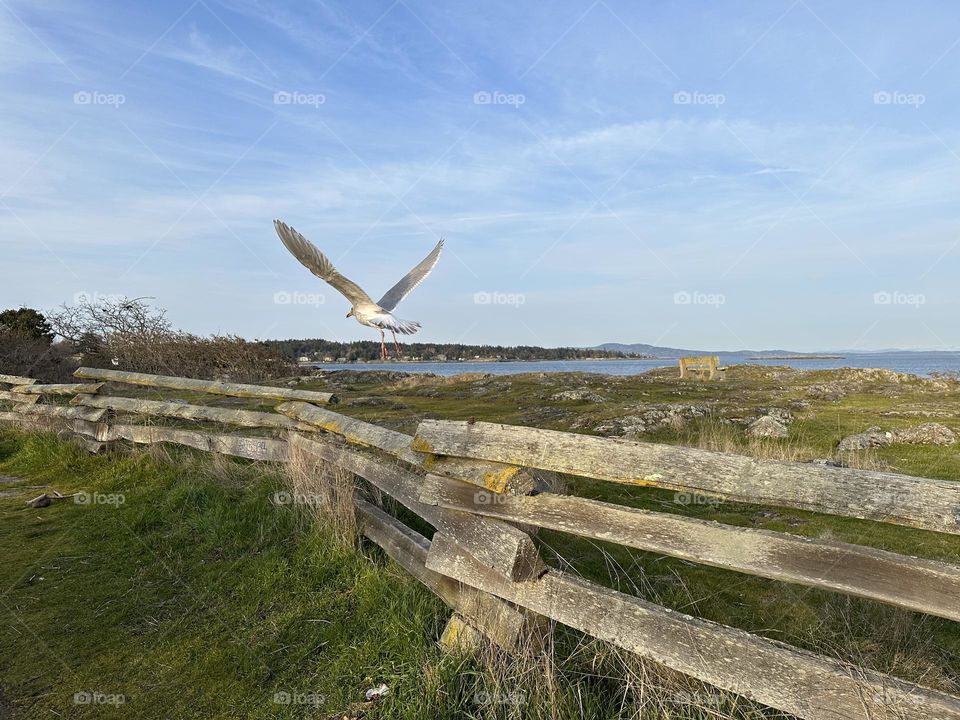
(216, 357)
(108, 317)
(132, 335)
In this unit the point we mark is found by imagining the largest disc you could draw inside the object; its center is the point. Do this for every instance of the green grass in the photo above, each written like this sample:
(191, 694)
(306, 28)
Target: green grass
(198, 597)
(188, 592)
(195, 597)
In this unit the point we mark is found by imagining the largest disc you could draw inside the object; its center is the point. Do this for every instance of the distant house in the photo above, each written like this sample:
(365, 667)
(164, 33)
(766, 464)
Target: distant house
(440, 358)
(303, 358)
(327, 358)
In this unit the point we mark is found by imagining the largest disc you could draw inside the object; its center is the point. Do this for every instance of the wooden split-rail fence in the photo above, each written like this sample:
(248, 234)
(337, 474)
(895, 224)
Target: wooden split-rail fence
(472, 482)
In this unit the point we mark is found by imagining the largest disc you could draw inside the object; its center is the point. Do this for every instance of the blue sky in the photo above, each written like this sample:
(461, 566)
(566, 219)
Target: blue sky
(710, 175)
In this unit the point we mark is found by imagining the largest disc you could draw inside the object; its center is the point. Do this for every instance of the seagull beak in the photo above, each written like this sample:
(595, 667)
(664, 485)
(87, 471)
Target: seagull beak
(350, 313)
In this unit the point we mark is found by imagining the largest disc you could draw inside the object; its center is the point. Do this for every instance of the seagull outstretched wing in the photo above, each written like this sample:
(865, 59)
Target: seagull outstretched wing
(319, 264)
(413, 278)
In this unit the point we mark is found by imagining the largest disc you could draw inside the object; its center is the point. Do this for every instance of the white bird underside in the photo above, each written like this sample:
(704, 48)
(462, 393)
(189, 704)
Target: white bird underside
(376, 315)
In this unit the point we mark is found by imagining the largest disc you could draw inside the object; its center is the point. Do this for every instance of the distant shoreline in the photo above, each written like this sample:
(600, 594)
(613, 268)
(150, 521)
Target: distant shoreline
(798, 357)
(401, 361)
(919, 363)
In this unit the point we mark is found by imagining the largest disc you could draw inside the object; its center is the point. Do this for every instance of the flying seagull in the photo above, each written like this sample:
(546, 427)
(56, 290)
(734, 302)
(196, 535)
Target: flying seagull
(367, 312)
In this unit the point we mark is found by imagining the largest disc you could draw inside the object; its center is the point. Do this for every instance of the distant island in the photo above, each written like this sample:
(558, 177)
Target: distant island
(318, 350)
(674, 353)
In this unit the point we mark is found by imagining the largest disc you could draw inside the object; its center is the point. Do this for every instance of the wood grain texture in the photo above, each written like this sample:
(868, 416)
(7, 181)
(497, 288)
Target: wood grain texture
(16, 397)
(916, 584)
(865, 494)
(496, 544)
(208, 386)
(58, 389)
(494, 476)
(16, 380)
(68, 412)
(798, 682)
(163, 408)
(499, 621)
(252, 448)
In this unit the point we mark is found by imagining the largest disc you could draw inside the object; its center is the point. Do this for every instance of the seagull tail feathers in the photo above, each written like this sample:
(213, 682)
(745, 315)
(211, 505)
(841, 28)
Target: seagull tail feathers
(405, 327)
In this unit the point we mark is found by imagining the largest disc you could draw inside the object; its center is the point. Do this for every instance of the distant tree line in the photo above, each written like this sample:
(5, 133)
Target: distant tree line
(319, 349)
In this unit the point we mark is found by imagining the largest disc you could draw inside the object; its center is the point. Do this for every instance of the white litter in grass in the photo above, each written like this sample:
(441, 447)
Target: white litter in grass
(376, 693)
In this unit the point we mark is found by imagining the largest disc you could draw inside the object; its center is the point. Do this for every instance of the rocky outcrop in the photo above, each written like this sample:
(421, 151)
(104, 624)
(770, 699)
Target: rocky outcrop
(870, 438)
(846, 381)
(650, 418)
(582, 394)
(918, 413)
(767, 427)
(924, 434)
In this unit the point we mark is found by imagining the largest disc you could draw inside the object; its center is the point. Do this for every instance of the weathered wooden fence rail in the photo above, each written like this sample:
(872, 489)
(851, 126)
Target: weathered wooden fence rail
(865, 494)
(472, 482)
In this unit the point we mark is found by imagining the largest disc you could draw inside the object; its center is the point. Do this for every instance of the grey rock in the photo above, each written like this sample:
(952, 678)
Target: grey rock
(925, 434)
(767, 427)
(872, 437)
(583, 393)
(781, 414)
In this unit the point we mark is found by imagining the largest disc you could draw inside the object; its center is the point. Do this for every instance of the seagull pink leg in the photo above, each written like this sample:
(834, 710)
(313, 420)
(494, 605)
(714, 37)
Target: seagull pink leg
(395, 343)
(383, 347)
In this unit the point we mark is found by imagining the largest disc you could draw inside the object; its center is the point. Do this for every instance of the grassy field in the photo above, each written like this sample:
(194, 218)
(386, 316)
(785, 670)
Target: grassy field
(184, 590)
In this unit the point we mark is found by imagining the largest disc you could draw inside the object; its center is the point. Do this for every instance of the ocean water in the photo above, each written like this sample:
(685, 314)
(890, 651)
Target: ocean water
(917, 363)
